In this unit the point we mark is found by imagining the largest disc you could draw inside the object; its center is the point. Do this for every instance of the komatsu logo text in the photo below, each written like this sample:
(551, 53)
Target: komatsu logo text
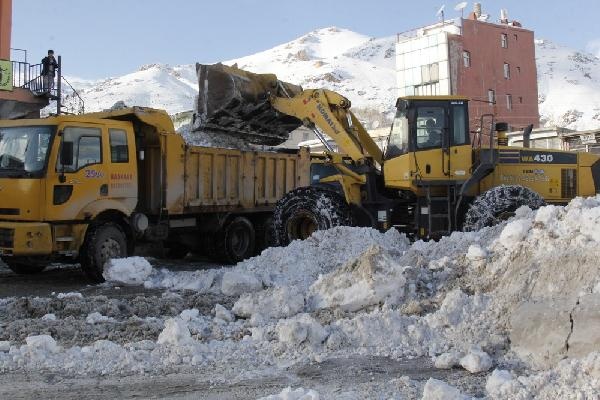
(327, 119)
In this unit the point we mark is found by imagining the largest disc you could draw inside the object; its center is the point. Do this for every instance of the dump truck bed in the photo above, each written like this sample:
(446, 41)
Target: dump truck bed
(208, 179)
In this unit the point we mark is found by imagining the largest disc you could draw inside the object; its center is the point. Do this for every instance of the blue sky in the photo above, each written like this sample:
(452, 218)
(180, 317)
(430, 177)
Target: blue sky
(105, 38)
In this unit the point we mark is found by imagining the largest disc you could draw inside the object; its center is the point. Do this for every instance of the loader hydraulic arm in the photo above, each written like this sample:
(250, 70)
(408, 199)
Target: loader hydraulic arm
(329, 113)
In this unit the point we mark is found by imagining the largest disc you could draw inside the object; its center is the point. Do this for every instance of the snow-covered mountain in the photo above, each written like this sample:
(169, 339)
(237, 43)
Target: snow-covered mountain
(361, 68)
(569, 87)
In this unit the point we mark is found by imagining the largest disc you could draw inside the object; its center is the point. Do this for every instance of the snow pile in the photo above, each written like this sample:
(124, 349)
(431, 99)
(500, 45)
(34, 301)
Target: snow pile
(96, 317)
(518, 296)
(130, 271)
(294, 394)
(372, 279)
(440, 390)
(176, 332)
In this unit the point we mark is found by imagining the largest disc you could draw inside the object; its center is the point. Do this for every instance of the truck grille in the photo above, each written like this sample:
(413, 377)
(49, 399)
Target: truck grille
(7, 237)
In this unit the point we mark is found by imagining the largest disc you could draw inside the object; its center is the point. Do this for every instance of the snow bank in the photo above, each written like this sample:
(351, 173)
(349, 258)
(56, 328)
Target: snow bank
(129, 271)
(476, 299)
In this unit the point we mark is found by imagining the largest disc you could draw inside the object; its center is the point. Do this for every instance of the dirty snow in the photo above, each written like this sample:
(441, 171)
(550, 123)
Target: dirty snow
(514, 307)
(130, 271)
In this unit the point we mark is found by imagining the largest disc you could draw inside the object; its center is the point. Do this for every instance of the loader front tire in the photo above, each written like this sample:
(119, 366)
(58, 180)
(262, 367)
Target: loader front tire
(103, 243)
(305, 210)
(498, 204)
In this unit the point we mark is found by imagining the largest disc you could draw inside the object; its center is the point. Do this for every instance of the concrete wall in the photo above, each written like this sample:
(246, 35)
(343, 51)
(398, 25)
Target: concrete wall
(483, 41)
(5, 28)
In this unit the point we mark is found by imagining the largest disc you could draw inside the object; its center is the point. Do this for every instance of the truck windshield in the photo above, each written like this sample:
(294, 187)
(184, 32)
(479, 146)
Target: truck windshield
(398, 141)
(23, 149)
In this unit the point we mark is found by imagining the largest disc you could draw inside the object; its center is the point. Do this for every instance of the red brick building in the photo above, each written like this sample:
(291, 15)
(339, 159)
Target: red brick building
(493, 64)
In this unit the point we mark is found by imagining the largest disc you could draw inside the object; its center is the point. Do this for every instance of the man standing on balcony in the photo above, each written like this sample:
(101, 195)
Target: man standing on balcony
(49, 66)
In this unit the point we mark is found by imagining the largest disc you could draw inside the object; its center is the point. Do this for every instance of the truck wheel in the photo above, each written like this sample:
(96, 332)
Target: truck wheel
(305, 210)
(104, 242)
(235, 241)
(23, 267)
(498, 204)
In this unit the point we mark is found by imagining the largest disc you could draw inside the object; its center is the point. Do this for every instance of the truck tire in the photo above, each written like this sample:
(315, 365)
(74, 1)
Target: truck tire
(22, 267)
(498, 204)
(235, 241)
(104, 242)
(305, 210)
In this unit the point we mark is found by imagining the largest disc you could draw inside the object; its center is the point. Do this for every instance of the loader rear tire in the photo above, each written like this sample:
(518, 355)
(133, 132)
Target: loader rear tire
(103, 243)
(498, 204)
(305, 210)
(235, 241)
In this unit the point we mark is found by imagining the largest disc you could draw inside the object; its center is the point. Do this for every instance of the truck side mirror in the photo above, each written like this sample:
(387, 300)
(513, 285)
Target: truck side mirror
(66, 154)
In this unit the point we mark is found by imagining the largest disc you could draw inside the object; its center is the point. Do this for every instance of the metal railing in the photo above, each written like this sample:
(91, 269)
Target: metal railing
(29, 76)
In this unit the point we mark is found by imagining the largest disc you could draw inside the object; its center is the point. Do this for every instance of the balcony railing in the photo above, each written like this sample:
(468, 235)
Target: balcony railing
(29, 76)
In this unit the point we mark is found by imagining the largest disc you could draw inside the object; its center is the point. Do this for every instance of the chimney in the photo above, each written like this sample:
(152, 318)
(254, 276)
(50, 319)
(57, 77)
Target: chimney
(477, 9)
(503, 16)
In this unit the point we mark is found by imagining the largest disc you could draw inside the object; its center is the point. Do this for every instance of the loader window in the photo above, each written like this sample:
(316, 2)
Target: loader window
(459, 117)
(398, 140)
(87, 147)
(431, 124)
(119, 151)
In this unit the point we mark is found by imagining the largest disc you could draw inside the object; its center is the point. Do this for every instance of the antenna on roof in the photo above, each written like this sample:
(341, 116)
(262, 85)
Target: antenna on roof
(441, 12)
(461, 7)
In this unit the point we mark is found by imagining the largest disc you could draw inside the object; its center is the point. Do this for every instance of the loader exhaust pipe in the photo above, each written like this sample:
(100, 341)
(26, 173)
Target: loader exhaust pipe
(236, 103)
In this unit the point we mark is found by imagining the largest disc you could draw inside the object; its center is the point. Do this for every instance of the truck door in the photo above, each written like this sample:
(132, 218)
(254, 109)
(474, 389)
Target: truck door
(122, 176)
(76, 181)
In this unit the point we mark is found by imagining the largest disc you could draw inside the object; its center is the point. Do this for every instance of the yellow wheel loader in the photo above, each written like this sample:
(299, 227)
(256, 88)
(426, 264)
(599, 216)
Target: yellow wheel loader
(431, 179)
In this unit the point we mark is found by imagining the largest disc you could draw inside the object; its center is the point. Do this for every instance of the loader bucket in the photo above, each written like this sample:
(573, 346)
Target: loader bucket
(235, 102)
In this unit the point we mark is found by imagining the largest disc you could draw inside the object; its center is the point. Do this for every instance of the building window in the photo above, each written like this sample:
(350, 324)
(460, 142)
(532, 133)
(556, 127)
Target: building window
(466, 59)
(506, 71)
(430, 73)
(516, 37)
(519, 70)
(520, 100)
(509, 102)
(504, 40)
(491, 97)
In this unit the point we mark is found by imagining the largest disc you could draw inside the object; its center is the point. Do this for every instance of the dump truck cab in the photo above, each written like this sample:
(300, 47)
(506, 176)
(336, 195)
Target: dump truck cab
(56, 176)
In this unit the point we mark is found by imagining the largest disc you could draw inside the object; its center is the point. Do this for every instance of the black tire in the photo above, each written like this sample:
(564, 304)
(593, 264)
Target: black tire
(235, 241)
(103, 242)
(305, 210)
(498, 204)
(23, 267)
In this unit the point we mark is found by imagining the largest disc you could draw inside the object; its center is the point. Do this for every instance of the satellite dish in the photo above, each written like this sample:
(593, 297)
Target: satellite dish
(460, 7)
(440, 11)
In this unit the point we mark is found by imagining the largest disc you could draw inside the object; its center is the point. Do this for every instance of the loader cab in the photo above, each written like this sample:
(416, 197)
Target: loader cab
(429, 140)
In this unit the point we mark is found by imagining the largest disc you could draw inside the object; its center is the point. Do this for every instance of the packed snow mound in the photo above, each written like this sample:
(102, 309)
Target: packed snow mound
(370, 279)
(130, 271)
(478, 300)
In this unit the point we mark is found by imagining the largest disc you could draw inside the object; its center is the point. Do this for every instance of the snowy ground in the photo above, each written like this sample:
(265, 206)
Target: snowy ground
(351, 313)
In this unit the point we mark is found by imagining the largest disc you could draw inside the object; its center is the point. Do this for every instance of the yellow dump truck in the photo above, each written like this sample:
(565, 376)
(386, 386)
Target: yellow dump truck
(88, 188)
